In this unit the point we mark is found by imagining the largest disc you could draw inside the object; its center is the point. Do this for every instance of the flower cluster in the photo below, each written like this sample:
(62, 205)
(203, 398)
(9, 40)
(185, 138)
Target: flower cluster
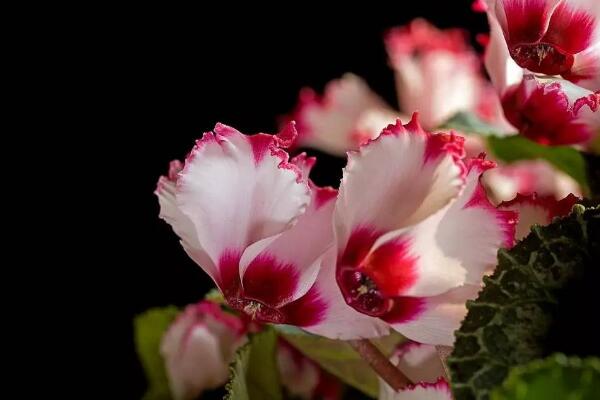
(420, 212)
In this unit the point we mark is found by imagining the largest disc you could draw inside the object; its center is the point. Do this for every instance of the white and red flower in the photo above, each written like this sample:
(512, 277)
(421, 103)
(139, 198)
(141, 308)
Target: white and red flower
(553, 112)
(303, 378)
(420, 363)
(407, 206)
(537, 210)
(263, 232)
(505, 181)
(545, 109)
(257, 225)
(347, 115)
(528, 177)
(437, 73)
(552, 37)
(198, 348)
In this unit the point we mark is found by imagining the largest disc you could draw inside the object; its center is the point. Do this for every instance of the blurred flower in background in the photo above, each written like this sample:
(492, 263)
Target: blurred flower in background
(198, 348)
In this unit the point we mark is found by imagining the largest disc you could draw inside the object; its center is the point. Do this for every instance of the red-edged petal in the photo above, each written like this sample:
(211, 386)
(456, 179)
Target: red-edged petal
(397, 180)
(539, 210)
(436, 72)
(237, 190)
(419, 362)
(431, 320)
(552, 112)
(440, 390)
(420, 36)
(330, 123)
(526, 177)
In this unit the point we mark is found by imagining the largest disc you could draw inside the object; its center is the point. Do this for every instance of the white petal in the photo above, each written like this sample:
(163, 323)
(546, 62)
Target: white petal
(237, 190)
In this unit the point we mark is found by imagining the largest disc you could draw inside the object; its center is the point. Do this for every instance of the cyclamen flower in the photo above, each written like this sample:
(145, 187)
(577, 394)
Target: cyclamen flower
(553, 112)
(254, 222)
(526, 177)
(303, 378)
(437, 73)
(552, 37)
(537, 210)
(415, 231)
(420, 363)
(198, 348)
(347, 115)
(547, 110)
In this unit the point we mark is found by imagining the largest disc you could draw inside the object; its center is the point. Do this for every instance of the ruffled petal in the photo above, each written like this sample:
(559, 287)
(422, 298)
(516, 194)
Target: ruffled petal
(397, 180)
(436, 72)
(526, 177)
(331, 123)
(237, 190)
(539, 210)
(552, 111)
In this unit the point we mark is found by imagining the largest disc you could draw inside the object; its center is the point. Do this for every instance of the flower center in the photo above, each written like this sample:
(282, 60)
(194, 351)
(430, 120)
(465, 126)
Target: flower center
(257, 311)
(542, 58)
(361, 293)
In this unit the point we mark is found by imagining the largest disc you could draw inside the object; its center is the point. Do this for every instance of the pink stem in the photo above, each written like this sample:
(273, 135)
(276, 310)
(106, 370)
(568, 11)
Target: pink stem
(380, 364)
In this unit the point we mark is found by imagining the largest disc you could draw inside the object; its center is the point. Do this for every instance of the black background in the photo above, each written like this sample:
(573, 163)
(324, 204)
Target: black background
(175, 74)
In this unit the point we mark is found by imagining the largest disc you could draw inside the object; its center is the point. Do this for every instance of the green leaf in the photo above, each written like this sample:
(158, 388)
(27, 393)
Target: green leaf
(149, 328)
(515, 148)
(339, 359)
(509, 322)
(254, 374)
(556, 377)
(469, 123)
(236, 386)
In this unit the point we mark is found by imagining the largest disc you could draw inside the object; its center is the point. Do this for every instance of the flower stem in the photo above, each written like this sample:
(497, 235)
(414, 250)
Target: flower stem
(380, 364)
